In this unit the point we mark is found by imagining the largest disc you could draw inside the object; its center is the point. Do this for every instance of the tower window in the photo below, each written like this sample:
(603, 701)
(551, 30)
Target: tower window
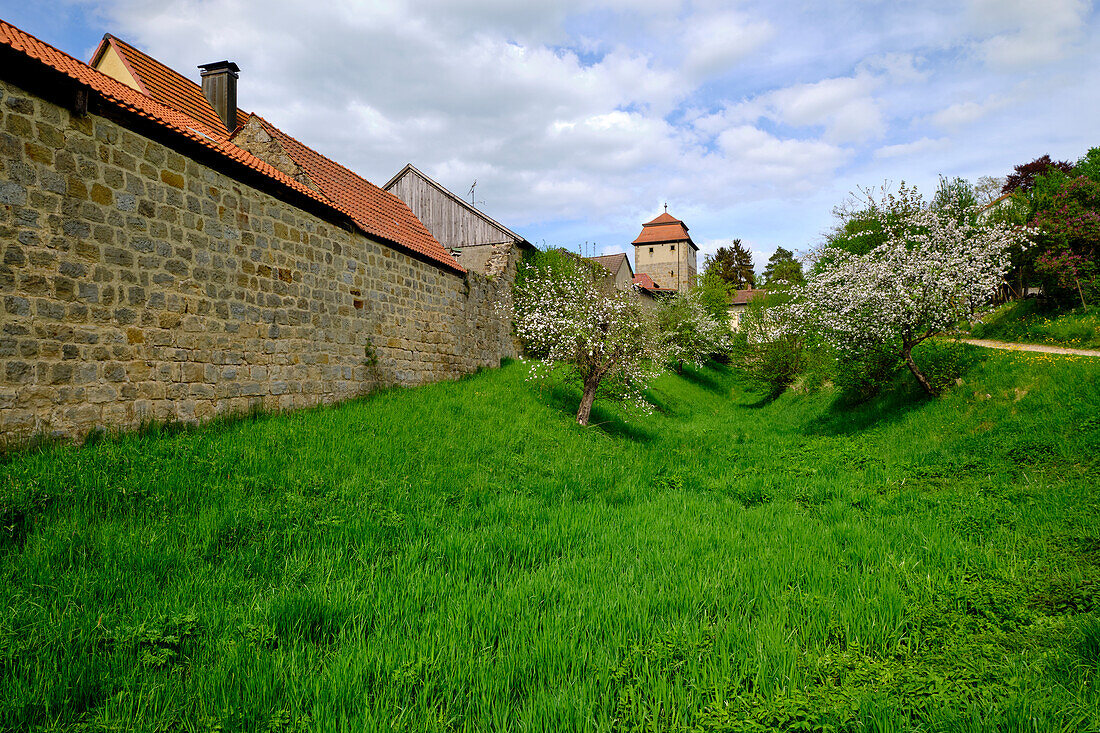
(672, 247)
(651, 250)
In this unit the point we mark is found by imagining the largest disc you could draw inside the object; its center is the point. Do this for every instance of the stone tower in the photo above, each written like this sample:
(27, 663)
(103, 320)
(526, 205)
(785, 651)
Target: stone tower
(665, 252)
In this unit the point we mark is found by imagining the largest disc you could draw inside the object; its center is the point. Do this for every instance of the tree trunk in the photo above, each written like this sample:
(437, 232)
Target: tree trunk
(1084, 307)
(587, 399)
(907, 353)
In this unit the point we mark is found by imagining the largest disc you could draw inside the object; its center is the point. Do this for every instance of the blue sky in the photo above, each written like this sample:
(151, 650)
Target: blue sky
(578, 120)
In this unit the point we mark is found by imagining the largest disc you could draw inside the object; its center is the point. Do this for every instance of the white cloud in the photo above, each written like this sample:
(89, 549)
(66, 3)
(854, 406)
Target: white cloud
(962, 114)
(716, 42)
(916, 147)
(1028, 33)
(900, 68)
(843, 107)
(579, 118)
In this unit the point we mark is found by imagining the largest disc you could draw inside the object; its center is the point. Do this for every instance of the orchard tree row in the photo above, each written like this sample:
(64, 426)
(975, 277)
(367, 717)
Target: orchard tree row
(895, 271)
(898, 270)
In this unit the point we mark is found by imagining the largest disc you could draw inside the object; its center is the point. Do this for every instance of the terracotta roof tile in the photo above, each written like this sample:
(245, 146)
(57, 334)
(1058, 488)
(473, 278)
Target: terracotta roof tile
(168, 86)
(644, 281)
(379, 212)
(665, 218)
(382, 218)
(744, 297)
(665, 228)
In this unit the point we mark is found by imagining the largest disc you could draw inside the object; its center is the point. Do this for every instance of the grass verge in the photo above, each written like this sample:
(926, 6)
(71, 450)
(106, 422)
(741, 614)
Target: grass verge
(463, 557)
(1031, 322)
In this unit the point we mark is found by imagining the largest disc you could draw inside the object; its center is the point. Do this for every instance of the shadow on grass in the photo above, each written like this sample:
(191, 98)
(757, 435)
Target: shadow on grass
(708, 377)
(766, 398)
(567, 400)
(845, 417)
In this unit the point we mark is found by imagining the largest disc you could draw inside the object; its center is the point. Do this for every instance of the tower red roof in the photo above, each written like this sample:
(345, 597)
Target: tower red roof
(664, 229)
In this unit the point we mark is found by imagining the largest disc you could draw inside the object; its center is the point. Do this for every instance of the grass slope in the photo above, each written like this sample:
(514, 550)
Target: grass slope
(463, 557)
(1027, 321)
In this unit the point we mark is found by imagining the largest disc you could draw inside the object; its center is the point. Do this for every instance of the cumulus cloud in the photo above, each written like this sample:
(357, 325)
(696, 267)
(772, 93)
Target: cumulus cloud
(579, 119)
(715, 42)
(1028, 33)
(844, 108)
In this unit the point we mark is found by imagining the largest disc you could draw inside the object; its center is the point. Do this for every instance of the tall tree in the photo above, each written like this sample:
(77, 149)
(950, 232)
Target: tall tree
(988, 189)
(733, 264)
(783, 270)
(1024, 175)
(714, 294)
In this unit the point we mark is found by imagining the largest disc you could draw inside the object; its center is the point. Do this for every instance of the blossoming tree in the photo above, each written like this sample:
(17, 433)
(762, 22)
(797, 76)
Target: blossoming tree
(688, 332)
(932, 268)
(606, 338)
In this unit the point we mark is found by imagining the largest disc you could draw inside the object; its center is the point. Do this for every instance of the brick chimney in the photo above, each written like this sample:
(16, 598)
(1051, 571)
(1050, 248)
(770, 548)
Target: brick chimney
(219, 86)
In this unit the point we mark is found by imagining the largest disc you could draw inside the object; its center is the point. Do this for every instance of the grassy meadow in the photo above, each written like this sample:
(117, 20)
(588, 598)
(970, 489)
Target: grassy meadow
(1029, 321)
(462, 556)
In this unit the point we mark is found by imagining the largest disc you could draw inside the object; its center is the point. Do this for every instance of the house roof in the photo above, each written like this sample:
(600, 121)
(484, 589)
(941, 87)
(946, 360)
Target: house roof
(378, 212)
(664, 229)
(996, 202)
(744, 297)
(613, 262)
(413, 170)
(369, 216)
(166, 85)
(645, 282)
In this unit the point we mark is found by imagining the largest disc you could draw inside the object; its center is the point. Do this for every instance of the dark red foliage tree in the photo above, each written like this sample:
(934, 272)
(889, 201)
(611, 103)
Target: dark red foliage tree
(1025, 174)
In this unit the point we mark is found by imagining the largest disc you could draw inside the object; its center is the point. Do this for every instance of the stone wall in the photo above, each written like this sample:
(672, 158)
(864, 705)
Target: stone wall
(139, 285)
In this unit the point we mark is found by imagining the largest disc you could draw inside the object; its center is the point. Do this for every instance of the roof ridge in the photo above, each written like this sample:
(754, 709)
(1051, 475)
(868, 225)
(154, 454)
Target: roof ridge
(135, 49)
(272, 128)
(103, 79)
(159, 79)
(182, 124)
(448, 192)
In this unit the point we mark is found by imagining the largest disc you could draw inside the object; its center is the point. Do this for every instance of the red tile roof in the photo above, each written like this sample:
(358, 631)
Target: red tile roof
(166, 85)
(744, 297)
(665, 228)
(378, 212)
(612, 263)
(645, 282)
(379, 218)
(665, 218)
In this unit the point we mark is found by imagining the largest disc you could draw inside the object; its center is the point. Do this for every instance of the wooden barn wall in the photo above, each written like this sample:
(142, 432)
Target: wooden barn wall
(452, 224)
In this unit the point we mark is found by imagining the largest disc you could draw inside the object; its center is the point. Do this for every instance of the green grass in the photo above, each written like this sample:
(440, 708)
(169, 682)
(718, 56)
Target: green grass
(1028, 321)
(463, 557)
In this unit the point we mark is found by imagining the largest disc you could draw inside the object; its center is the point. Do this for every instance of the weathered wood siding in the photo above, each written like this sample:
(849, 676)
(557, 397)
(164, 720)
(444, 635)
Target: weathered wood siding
(449, 221)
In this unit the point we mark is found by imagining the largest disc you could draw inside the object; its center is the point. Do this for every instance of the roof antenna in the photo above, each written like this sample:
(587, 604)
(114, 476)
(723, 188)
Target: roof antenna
(666, 206)
(470, 193)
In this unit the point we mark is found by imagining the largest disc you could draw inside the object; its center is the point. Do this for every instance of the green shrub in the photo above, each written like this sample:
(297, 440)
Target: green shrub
(1039, 321)
(860, 378)
(767, 347)
(943, 362)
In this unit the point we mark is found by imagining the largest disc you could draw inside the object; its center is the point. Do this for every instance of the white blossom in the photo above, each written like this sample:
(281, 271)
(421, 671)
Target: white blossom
(932, 269)
(688, 333)
(606, 338)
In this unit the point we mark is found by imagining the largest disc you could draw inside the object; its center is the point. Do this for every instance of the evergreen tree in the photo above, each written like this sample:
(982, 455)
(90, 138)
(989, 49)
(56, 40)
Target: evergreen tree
(733, 264)
(783, 270)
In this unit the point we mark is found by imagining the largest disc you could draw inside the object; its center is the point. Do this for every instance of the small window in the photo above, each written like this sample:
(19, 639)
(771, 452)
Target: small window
(651, 250)
(672, 247)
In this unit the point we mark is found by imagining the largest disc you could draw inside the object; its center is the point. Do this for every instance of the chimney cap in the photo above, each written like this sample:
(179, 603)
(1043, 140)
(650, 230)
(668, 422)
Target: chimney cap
(216, 66)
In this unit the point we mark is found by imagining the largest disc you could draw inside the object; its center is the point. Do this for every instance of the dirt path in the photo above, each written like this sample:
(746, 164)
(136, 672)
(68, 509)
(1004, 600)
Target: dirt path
(1030, 347)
